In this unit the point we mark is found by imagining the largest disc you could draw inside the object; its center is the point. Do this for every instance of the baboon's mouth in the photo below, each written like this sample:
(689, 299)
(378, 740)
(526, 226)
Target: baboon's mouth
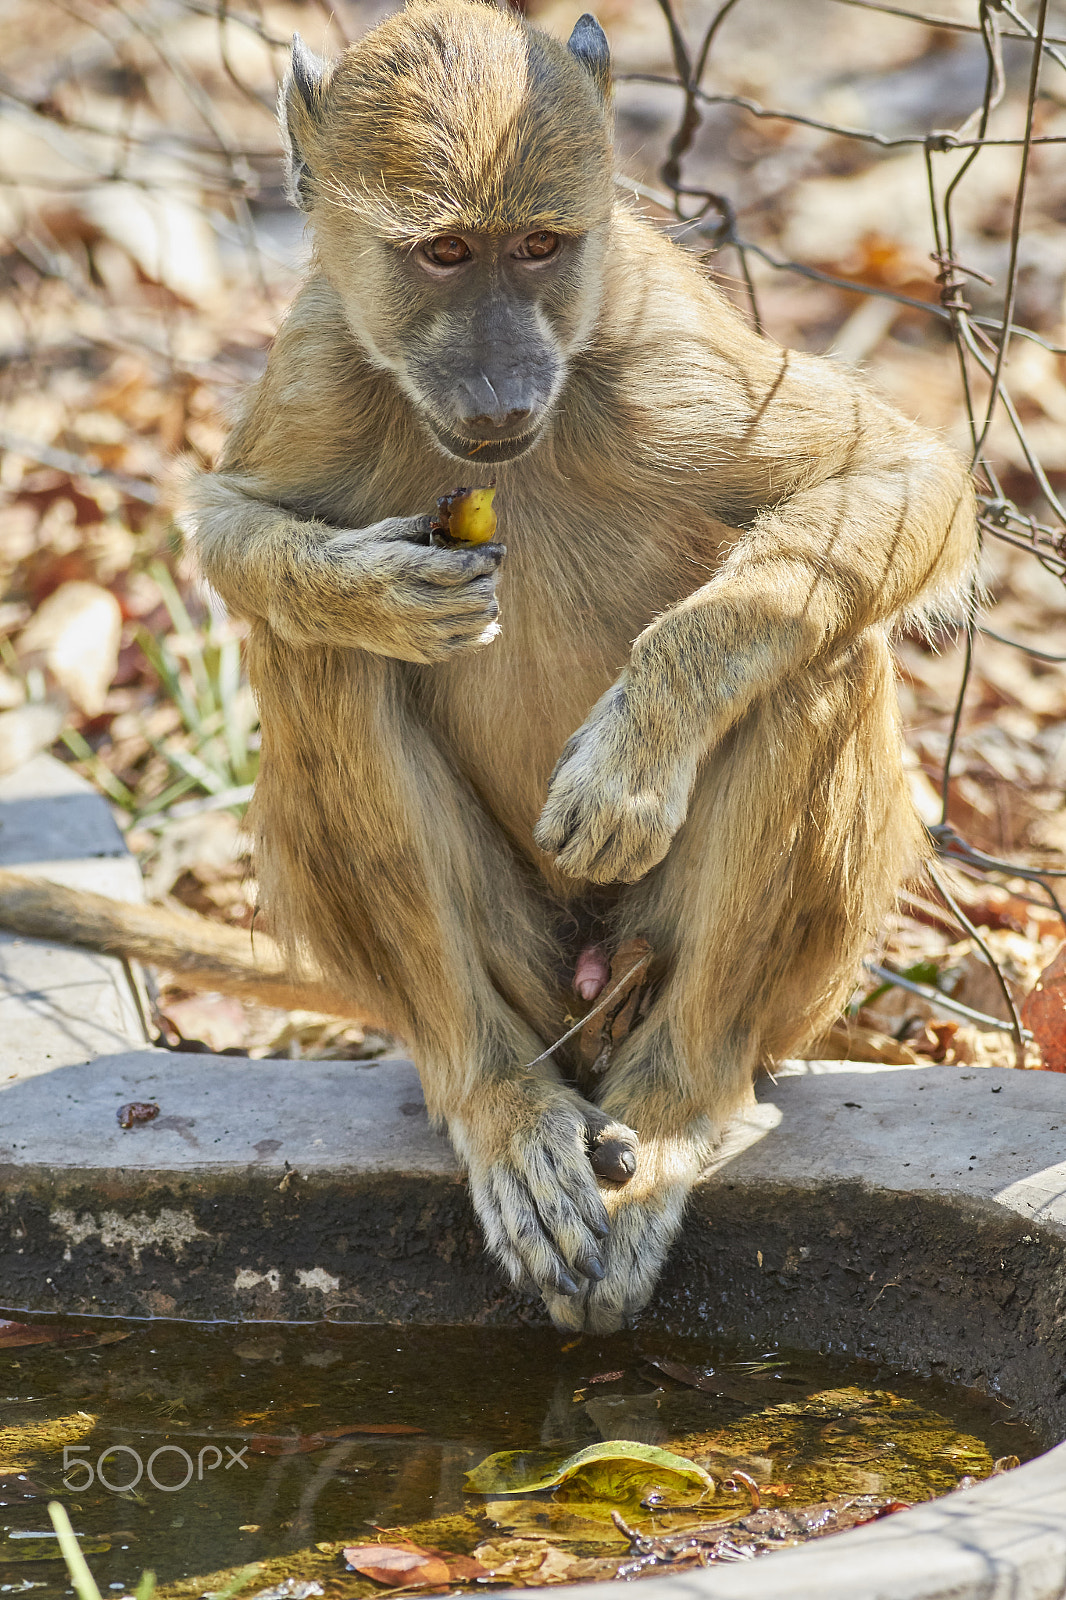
(488, 451)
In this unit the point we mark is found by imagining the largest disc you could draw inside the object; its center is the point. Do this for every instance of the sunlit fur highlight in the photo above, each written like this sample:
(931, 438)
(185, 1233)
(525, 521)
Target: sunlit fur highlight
(460, 119)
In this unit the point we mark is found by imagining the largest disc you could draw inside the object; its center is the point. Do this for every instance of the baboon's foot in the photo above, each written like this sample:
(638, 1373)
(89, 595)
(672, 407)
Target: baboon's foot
(645, 1216)
(533, 1161)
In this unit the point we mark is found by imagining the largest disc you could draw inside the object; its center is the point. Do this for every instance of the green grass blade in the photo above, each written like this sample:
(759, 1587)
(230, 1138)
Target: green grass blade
(80, 1576)
(103, 777)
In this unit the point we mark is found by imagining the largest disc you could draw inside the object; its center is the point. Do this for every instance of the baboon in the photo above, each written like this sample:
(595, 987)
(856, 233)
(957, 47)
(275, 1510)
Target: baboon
(662, 707)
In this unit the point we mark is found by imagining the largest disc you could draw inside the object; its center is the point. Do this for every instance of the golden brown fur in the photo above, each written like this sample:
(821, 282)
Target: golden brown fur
(706, 550)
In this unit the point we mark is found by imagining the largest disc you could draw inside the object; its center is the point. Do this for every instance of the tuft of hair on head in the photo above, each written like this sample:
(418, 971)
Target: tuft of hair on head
(453, 116)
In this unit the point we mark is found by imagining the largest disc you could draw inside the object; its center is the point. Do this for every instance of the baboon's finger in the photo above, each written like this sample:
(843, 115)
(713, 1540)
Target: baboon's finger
(611, 1147)
(473, 599)
(555, 826)
(563, 1223)
(526, 1236)
(448, 569)
(581, 846)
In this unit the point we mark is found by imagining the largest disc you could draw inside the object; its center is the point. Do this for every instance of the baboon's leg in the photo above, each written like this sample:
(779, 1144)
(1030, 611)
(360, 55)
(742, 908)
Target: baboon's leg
(373, 851)
(799, 832)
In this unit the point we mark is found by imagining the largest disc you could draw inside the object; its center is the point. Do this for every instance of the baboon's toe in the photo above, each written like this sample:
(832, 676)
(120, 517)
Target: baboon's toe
(613, 1160)
(612, 1147)
(538, 1198)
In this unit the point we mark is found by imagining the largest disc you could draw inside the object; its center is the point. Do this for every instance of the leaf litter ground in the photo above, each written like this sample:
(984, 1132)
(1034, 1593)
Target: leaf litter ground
(348, 1461)
(121, 359)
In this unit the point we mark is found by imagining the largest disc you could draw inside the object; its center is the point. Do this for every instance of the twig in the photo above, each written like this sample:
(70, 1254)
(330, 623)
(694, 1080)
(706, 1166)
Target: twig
(601, 1005)
(78, 466)
(965, 923)
(927, 992)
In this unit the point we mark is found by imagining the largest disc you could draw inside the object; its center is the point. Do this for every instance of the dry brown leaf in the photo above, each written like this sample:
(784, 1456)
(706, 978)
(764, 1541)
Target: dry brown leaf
(28, 730)
(530, 1562)
(397, 1565)
(217, 1020)
(848, 1040)
(13, 1335)
(1044, 1013)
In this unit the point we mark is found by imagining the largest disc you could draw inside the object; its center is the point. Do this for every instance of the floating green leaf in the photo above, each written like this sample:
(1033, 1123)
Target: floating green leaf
(617, 1470)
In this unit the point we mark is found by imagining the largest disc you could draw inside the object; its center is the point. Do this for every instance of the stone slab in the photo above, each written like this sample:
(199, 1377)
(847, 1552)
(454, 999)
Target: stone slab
(991, 1134)
(49, 813)
(60, 1006)
(222, 1114)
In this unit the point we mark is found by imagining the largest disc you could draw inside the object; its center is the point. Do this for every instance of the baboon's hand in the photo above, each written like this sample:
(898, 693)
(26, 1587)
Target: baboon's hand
(400, 596)
(529, 1148)
(614, 803)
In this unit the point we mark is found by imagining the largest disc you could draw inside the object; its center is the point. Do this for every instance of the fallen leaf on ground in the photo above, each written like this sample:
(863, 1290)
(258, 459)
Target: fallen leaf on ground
(76, 634)
(216, 1020)
(532, 1563)
(16, 1489)
(135, 1111)
(27, 730)
(520, 1517)
(1044, 1013)
(736, 1386)
(396, 1565)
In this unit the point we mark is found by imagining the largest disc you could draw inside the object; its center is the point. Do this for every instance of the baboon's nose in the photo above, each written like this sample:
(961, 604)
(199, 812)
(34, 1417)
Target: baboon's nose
(486, 421)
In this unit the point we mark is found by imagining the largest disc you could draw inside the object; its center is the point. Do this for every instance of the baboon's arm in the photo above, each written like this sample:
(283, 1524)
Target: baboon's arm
(372, 588)
(850, 518)
(204, 954)
(271, 551)
(853, 517)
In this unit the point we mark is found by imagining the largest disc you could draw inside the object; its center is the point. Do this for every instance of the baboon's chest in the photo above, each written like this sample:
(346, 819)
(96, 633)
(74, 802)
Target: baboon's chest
(572, 600)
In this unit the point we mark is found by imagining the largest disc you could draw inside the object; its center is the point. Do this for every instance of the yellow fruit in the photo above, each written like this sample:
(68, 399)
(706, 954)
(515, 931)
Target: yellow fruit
(466, 515)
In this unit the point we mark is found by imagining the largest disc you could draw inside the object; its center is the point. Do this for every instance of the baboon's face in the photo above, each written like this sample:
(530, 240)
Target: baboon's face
(456, 165)
(478, 329)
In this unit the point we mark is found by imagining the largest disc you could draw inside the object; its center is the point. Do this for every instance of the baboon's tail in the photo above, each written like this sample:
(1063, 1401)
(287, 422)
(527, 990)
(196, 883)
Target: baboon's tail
(203, 954)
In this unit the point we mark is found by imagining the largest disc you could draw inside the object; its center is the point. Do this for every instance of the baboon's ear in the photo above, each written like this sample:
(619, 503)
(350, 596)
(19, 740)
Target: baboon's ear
(300, 106)
(588, 43)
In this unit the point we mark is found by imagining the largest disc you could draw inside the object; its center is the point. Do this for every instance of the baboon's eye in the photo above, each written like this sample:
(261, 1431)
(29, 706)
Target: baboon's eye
(447, 250)
(538, 245)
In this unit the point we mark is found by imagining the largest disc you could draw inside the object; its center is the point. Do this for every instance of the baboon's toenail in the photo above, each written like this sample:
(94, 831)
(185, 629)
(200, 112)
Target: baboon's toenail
(594, 1269)
(614, 1161)
(564, 1283)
